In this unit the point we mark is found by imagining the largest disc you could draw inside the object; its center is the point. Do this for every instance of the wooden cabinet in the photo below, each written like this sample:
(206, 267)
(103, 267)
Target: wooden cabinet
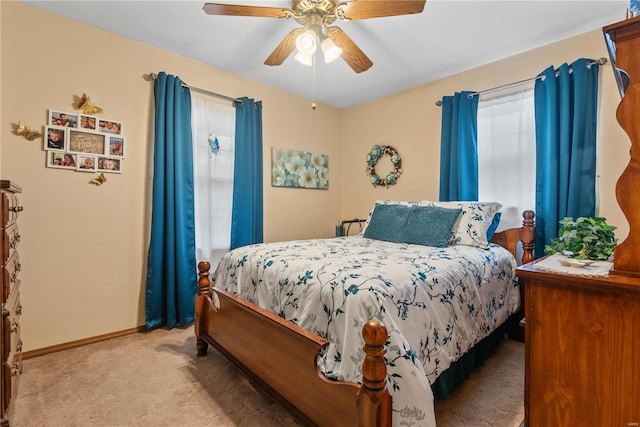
(10, 343)
(582, 349)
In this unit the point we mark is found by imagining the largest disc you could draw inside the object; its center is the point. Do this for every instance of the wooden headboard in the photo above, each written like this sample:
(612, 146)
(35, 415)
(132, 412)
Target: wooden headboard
(526, 234)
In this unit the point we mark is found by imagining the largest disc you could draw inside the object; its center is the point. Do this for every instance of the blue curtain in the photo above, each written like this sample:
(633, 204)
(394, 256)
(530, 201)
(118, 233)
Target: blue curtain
(171, 271)
(246, 212)
(566, 122)
(459, 147)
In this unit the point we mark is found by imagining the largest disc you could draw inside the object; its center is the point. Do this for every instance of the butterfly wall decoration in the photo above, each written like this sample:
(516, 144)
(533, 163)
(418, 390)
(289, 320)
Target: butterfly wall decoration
(101, 179)
(21, 129)
(84, 103)
(214, 144)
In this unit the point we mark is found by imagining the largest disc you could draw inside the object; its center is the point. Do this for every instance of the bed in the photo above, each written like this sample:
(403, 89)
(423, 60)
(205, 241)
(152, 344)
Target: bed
(356, 330)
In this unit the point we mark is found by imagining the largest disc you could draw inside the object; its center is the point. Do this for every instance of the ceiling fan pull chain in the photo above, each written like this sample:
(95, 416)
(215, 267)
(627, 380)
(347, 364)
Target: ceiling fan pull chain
(313, 83)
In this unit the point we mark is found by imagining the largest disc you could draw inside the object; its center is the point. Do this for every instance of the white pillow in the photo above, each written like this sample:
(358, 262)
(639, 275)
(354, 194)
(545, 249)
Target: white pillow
(470, 229)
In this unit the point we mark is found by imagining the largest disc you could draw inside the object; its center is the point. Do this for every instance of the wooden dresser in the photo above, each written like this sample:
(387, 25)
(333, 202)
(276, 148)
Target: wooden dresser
(10, 343)
(582, 349)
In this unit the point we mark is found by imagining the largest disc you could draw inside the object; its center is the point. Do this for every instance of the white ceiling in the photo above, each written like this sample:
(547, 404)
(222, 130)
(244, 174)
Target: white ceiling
(448, 37)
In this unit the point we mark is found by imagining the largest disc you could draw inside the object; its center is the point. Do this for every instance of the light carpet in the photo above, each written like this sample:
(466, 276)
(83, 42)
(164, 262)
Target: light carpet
(155, 379)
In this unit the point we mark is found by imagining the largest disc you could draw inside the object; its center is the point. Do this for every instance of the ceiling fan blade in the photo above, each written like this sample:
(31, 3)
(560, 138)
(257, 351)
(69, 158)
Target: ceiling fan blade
(351, 53)
(236, 10)
(284, 49)
(365, 9)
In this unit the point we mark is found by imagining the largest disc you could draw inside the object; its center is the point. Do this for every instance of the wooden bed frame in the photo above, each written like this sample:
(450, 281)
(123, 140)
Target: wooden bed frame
(251, 338)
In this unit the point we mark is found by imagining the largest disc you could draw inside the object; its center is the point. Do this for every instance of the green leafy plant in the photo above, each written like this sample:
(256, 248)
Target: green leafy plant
(584, 238)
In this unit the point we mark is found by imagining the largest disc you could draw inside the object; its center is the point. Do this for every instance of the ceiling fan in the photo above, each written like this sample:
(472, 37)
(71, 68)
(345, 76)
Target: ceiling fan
(315, 18)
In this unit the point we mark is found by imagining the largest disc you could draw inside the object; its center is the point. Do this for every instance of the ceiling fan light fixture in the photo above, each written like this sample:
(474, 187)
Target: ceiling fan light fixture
(304, 59)
(306, 42)
(330, 50)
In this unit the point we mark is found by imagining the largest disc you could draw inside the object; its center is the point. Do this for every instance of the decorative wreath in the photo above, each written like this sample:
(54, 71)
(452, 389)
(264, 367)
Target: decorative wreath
(374, 155)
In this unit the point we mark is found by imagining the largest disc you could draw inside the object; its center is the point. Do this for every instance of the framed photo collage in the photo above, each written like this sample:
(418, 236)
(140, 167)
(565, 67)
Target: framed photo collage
(85, 143)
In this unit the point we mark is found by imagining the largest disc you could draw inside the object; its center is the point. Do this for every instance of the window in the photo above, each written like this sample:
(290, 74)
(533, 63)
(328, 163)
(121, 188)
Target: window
(507, 151)
(213, 175)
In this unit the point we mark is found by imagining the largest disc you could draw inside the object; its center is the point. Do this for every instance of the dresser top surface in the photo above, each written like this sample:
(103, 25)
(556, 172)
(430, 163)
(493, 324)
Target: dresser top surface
(10, 186)
(612, 281)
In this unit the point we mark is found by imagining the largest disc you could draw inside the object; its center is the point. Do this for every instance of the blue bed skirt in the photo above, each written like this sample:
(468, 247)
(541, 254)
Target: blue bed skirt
(460, 370)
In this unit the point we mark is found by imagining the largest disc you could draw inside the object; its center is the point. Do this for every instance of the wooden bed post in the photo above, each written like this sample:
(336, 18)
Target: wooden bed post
(204, 286)
(373, 400)
(528, 236)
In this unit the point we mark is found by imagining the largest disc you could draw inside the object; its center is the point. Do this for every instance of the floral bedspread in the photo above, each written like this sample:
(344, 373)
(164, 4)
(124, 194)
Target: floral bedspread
(436, 303)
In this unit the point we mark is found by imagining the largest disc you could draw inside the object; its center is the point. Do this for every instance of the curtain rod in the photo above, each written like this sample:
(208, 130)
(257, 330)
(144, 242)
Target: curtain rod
(600, 61)
(153, 76)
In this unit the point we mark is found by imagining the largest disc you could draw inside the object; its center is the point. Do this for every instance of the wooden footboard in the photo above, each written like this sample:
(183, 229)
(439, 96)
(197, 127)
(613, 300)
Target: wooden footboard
(280, 358)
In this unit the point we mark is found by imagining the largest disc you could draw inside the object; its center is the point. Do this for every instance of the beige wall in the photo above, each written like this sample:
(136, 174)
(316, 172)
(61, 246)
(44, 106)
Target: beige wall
(84, 247)
(410, 121)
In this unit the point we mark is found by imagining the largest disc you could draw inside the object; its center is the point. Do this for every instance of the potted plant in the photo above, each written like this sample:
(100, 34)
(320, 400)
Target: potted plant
(585, 238)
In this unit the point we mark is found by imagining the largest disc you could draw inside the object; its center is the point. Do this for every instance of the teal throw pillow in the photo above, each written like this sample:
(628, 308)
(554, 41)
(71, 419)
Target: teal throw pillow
(430, 226)
(387, 223)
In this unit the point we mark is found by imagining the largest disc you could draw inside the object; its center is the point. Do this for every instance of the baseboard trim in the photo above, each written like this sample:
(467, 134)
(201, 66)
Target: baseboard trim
(79, 343)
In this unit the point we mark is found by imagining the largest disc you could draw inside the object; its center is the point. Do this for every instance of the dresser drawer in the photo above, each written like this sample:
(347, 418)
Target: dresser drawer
(10, 273)
(10, 240)
(15, 356)
(10, 208)
(11, 347)
(12, 370)
(13, 309)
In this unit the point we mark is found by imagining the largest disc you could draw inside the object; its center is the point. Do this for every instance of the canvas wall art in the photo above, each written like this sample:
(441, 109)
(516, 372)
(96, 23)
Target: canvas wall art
(299, 169)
